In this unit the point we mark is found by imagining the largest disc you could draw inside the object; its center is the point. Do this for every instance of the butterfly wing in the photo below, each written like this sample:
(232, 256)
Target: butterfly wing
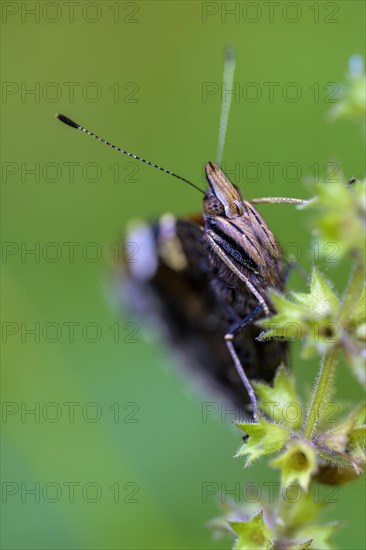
(171, 286)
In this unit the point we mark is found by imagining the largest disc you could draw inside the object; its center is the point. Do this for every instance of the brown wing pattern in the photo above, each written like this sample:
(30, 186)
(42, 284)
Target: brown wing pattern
(178, 293)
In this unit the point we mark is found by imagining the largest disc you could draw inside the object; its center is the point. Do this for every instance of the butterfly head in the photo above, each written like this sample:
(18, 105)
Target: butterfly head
(222, 197)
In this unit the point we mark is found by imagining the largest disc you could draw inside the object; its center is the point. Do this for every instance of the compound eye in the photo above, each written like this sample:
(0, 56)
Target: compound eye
(212, 206)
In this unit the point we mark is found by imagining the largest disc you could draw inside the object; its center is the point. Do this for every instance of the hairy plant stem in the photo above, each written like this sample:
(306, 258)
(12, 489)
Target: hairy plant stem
(321, 391)
(326, 375)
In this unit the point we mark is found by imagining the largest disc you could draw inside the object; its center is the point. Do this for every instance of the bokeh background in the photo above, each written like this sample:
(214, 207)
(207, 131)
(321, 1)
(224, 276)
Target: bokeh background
(137, 450)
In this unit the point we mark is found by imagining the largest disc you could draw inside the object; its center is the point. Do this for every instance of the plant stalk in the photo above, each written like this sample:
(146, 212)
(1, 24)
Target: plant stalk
(326, 375)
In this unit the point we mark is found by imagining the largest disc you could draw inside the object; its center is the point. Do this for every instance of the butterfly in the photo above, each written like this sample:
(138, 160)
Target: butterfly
(205, 280)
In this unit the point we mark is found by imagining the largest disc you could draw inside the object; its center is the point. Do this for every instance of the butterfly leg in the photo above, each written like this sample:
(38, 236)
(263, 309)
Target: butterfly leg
(229, 337)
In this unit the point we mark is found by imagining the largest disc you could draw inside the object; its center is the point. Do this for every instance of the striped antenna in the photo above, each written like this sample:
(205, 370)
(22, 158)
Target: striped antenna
(228, 79)
(73, 124)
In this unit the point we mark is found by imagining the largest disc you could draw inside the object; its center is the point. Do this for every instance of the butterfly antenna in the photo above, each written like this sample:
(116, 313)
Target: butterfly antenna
(228, 79)
(73, 124)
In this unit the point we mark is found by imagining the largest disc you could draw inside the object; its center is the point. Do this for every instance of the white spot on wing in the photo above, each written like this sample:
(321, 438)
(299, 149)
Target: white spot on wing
(147, 264)
(170, 248)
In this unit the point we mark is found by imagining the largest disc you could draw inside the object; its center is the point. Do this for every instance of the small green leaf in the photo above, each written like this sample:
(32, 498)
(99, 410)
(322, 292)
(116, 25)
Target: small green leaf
(231, 510)
(339, 219)
(288, 308)
(347, 443)
(321, 535)
(298, 463)
(311, 317)
(287, 323)
(264, 438)
(351, 102)
(321, 299)
(357, 446)
(253, 534)
(281, 401)
(342, 450)
(336, 440)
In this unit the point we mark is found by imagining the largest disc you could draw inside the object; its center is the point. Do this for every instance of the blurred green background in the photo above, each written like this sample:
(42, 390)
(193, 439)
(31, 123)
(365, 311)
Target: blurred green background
(136, 448)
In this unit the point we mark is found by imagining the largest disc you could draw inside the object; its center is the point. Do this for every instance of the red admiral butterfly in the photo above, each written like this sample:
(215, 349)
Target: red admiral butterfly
(206, 280)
